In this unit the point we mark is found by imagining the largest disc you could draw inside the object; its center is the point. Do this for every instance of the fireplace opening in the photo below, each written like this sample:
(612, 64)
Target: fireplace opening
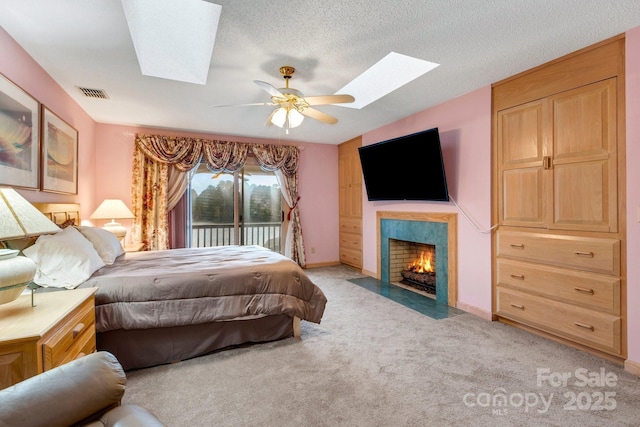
(412, 265)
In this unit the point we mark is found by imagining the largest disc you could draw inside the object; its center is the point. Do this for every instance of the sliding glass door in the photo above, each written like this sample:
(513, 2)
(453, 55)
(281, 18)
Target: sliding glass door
(241, 208)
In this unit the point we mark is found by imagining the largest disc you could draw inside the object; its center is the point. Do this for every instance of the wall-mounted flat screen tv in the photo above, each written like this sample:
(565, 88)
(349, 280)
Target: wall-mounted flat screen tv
(405, 168)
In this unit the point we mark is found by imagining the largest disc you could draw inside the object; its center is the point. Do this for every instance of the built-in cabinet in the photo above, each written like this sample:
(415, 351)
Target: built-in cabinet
(559, 261)
(350, 202)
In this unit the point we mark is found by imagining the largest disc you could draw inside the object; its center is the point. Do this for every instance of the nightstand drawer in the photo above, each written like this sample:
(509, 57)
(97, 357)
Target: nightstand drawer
(589, 327)
(74, 336)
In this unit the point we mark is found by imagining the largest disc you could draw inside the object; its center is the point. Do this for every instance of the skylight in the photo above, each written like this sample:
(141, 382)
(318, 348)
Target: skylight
(390, 73)
(173, 39)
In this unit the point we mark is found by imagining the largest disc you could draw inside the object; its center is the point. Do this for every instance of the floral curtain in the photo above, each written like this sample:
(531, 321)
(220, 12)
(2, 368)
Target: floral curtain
(283, 161)
(160, 178)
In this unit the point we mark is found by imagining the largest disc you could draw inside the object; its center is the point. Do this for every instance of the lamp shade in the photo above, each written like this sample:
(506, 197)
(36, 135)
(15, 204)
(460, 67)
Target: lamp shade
(112, 209)
(20, 219)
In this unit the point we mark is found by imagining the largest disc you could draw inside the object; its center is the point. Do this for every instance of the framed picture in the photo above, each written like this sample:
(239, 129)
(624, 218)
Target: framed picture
(19, 136)
(59, 155)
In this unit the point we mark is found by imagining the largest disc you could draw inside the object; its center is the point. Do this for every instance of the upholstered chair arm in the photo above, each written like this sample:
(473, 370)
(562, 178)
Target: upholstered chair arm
(79, 390)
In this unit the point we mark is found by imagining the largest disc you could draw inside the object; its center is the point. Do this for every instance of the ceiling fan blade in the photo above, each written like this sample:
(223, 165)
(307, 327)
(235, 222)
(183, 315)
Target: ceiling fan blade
(244, 105)
(269, 89)
(329, 99)
(319, 115)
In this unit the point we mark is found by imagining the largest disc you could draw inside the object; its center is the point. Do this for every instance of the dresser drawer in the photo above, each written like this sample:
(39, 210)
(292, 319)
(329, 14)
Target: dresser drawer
(350, 225)
(351, 257)
(590, 290)
(75, 336)
(351, 241)
(592, 328)
(599, 255)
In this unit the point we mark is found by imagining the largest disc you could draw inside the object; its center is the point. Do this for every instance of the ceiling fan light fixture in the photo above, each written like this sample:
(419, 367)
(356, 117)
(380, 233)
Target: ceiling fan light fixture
(287, 118)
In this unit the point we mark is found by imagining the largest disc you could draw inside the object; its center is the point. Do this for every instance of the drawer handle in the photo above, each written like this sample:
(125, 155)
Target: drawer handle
(76, 331)
(517, 246)
(584, 326)
(584, 254)
(519, 307)
(517, 276)
(584, 290)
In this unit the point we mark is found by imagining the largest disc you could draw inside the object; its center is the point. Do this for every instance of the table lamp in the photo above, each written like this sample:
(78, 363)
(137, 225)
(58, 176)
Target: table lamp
(19, 219)
(113, 209)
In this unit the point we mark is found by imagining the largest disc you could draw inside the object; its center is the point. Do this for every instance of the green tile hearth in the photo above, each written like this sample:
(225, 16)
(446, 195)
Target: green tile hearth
(420, 303)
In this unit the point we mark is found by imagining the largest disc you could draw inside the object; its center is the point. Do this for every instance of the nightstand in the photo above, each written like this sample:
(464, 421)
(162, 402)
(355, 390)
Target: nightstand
(60, 328)
(134, 247)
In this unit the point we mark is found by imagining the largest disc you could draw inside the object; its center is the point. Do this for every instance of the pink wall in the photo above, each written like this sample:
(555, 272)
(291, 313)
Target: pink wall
(20, 68)
(318, 178)
(465, 132)
(105, 154)
(633, 193)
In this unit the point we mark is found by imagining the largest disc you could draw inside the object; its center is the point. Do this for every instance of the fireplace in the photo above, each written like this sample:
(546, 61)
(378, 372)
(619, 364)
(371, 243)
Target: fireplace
(414, 233)
(413, 265)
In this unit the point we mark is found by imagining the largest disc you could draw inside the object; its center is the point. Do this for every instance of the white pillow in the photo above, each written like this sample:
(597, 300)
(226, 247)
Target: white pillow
(64, 260)
(105, 242)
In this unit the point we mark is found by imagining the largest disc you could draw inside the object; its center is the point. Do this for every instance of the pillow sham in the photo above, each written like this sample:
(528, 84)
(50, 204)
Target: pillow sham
(105, 243)
(64, 260)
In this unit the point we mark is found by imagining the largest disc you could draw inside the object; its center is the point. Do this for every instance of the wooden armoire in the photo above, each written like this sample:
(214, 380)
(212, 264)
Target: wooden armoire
(559, 200)
(350, 202)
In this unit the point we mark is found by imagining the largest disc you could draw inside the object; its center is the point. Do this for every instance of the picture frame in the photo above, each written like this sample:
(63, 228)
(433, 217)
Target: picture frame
(19, 137)
(59, 154)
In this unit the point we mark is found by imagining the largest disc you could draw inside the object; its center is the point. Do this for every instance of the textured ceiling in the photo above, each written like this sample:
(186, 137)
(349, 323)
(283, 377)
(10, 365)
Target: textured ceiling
(329, 42)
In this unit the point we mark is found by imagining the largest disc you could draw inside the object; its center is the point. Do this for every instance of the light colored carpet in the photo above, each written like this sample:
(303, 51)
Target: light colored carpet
(373, 362)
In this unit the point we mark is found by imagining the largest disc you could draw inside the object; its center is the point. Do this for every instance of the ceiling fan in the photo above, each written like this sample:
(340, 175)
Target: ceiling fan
(293, 106)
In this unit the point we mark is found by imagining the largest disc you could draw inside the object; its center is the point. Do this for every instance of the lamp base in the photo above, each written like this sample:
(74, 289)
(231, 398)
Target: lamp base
(15, 274)
(119, 230)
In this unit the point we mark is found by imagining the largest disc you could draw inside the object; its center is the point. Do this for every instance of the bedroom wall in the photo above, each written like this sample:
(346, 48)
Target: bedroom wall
(465, 133)
(20, 68)
(318, 178)
(632, 76)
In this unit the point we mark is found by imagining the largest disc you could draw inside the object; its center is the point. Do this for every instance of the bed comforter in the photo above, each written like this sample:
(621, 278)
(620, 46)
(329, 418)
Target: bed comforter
(189, 286)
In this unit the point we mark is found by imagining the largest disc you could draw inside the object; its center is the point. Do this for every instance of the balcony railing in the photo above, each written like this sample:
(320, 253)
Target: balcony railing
(267, 234)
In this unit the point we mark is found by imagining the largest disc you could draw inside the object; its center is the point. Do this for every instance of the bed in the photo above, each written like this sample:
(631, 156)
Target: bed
(164, 306)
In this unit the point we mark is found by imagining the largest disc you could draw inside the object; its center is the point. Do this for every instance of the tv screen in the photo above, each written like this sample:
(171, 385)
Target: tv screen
(405, 168)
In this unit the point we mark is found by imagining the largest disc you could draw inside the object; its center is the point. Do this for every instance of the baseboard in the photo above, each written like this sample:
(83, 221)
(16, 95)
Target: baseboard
(632, 367)
(370, 274)
(322, 264)
(475, 311)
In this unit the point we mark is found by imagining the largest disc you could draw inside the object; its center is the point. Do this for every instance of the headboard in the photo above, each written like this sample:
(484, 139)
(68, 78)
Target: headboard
(62, 214)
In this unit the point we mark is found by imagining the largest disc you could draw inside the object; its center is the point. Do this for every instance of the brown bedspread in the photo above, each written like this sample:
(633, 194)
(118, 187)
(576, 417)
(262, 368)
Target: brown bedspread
(188, 286)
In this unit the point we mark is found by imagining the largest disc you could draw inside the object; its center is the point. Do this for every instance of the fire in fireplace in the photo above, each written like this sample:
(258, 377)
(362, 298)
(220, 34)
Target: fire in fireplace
(420, 274)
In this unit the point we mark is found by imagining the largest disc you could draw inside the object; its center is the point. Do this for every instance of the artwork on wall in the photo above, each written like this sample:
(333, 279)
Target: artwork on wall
(19, 136)
(59, 154)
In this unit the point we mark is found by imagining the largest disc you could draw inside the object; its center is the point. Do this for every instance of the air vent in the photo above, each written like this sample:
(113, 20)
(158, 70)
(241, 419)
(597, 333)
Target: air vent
(93, 93)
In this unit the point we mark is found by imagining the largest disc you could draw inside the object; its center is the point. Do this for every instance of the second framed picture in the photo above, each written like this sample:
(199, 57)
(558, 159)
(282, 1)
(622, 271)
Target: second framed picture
(59, 154)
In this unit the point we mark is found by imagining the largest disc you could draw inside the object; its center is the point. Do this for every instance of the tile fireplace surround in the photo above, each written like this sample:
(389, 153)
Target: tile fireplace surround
(439, 229)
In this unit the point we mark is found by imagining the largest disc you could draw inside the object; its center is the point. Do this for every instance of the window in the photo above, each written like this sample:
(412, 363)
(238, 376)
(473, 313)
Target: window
(241, 208)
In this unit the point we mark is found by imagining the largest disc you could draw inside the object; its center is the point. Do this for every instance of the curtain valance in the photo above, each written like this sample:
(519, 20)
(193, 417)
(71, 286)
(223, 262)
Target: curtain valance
(220, 156)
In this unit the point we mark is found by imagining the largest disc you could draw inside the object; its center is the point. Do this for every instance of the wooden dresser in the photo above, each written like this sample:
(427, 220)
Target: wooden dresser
(60, 328)
(350, 200)
(559, 251)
